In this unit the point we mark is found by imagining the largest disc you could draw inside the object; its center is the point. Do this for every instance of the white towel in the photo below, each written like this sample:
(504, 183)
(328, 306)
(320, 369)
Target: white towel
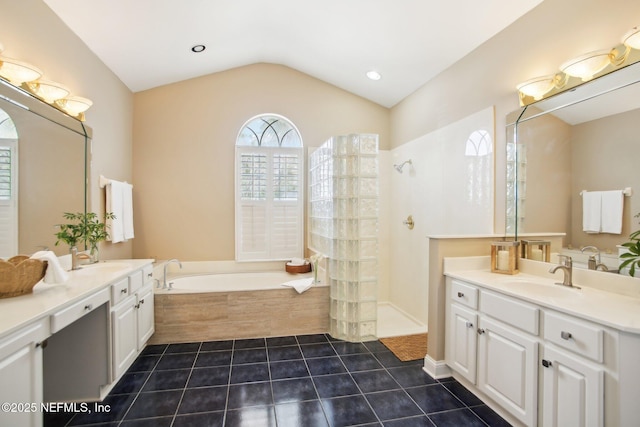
(127, 211)
(612, 206)
(300, 285)
(591, 211)
(55, 273)
(120, 203)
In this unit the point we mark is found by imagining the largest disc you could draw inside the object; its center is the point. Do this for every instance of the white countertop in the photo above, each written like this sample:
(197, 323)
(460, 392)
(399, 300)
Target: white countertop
(47, 299)
(607, 308)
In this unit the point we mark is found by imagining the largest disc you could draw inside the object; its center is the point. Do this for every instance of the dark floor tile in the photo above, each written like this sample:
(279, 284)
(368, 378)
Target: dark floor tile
(360, 362)
(375, 346)
(312, 339)
(350, 347)
(254, 394)
(144, 363)
(317, 350)
(176, 361)
(262, 416)
(203, 377)
(347, 411)
(463, 394)
(118, 407)
(434, 398)
(458, 418)
(216, 345)
(255, 355)
(393, 404)
(191, 347)
(284, 353)
(130, 383)
(489, 416)
(249, 373)
(213, 358)
(288, 369)
(326, 366)
(422, 421)
(389, 360)
(205, 419)
(372, 381)
(155, 404)
(335, 385)
(294, 390)
(147, 422)
(281, 341)
(154, 349)
(411, 376)
(55, 419)
(205, 399)
(249, 343)
(298, 414)
(167, 380)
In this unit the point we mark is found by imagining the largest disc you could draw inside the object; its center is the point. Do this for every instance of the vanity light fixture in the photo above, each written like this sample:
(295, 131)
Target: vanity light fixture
(537, 87)
(18, 72)
(632, 38)
(47, 90)
(588, 65)
(75, 105)
(374, 75)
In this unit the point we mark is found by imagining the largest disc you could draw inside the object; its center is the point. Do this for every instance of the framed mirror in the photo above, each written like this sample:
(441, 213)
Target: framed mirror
(585, 139)
(43, 171)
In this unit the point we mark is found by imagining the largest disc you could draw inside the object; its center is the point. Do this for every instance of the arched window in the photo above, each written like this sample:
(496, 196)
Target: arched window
(269, 190)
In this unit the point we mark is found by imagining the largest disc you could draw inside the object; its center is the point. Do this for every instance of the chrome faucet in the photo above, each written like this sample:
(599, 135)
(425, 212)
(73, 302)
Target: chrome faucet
(165, 285)
(566, 265)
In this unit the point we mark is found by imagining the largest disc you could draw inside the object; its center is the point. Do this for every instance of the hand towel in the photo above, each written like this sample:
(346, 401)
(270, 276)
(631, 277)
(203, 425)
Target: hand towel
(611, 216)
(55, 273)
(591, 211)
(114, 204)
(300, 285)
(127, 211)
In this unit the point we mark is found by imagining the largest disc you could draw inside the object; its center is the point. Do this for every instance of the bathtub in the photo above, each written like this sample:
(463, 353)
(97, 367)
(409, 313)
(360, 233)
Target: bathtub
(225, 300)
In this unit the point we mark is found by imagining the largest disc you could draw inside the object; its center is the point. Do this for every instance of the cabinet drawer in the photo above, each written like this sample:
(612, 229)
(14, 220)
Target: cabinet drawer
(512, 312)
(579, 336)
(135, 281)
(464, 293)
(72, 313)
(119, 291)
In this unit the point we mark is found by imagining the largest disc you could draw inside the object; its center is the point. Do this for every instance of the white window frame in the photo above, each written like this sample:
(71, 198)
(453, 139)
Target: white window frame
(269, 251)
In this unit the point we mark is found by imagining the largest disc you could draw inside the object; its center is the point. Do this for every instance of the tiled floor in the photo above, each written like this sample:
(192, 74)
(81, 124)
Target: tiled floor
(301, 381)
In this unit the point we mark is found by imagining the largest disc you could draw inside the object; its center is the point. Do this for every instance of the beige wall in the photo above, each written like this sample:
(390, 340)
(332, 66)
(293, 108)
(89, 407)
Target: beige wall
(184, 152)
(33, 33)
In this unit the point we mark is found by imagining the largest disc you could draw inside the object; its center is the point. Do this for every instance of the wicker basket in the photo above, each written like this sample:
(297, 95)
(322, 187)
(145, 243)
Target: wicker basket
(19, 275)
(297, 269)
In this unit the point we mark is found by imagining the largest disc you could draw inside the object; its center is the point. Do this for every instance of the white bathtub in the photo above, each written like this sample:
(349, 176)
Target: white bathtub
(230, 282)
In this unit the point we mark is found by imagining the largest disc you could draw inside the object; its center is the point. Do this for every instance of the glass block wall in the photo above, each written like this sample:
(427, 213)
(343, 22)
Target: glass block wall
(343, 225)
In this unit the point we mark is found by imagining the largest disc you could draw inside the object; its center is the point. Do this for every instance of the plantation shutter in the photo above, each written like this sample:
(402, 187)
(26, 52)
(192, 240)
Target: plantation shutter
(8, 199)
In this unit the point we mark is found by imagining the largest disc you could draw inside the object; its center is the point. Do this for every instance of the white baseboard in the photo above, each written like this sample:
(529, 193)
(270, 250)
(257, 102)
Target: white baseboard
(436, 368)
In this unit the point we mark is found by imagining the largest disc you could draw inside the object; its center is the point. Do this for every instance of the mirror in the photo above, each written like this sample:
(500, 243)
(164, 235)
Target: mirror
(42, 172)
(584, 139)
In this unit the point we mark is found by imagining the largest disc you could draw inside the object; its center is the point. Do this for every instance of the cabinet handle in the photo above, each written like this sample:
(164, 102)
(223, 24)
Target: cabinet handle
(460, 294)
(149, 275)
(123, 291)
(469, 325)
(481, 331)
(88, 307)
(565, 335)
(42, 344)
(142, 301)
(546, 363)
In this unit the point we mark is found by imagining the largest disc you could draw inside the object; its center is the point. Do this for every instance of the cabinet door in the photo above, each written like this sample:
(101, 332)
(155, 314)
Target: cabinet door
(573, 390)
(461, 344)
(21, 376)
(508, 369)
(125, 340)
(145, 316)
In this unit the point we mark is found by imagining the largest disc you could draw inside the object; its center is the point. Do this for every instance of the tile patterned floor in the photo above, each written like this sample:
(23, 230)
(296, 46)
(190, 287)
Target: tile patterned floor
(297, 381)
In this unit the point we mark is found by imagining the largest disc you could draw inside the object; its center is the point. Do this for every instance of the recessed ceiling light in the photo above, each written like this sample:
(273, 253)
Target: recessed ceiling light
(198, 48)
(374, 75)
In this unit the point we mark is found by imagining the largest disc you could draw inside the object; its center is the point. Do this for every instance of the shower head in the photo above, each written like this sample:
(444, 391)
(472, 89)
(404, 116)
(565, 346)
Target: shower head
(401, 165)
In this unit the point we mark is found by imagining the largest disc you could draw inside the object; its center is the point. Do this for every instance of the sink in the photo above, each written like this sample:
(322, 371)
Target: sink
(102, 267)
(544, 287)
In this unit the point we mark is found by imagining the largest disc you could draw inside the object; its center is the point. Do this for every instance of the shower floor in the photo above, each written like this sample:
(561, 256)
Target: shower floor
(392, 322)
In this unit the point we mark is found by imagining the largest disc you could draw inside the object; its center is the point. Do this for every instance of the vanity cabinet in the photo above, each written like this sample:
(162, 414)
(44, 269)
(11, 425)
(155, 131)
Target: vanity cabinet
(21, 375)
(132, 319)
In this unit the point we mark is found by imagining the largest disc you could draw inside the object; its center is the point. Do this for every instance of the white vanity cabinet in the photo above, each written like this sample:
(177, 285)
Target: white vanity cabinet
(21, 375)
(132, 319)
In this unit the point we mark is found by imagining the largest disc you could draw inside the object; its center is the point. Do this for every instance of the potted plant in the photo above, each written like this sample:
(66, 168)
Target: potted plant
(631, 258)
(84, 227)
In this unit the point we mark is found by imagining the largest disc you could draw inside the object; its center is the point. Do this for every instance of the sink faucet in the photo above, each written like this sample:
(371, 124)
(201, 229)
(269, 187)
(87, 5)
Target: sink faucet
(165, 285)
(592, 264)
(566, 265)
(76, 257)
